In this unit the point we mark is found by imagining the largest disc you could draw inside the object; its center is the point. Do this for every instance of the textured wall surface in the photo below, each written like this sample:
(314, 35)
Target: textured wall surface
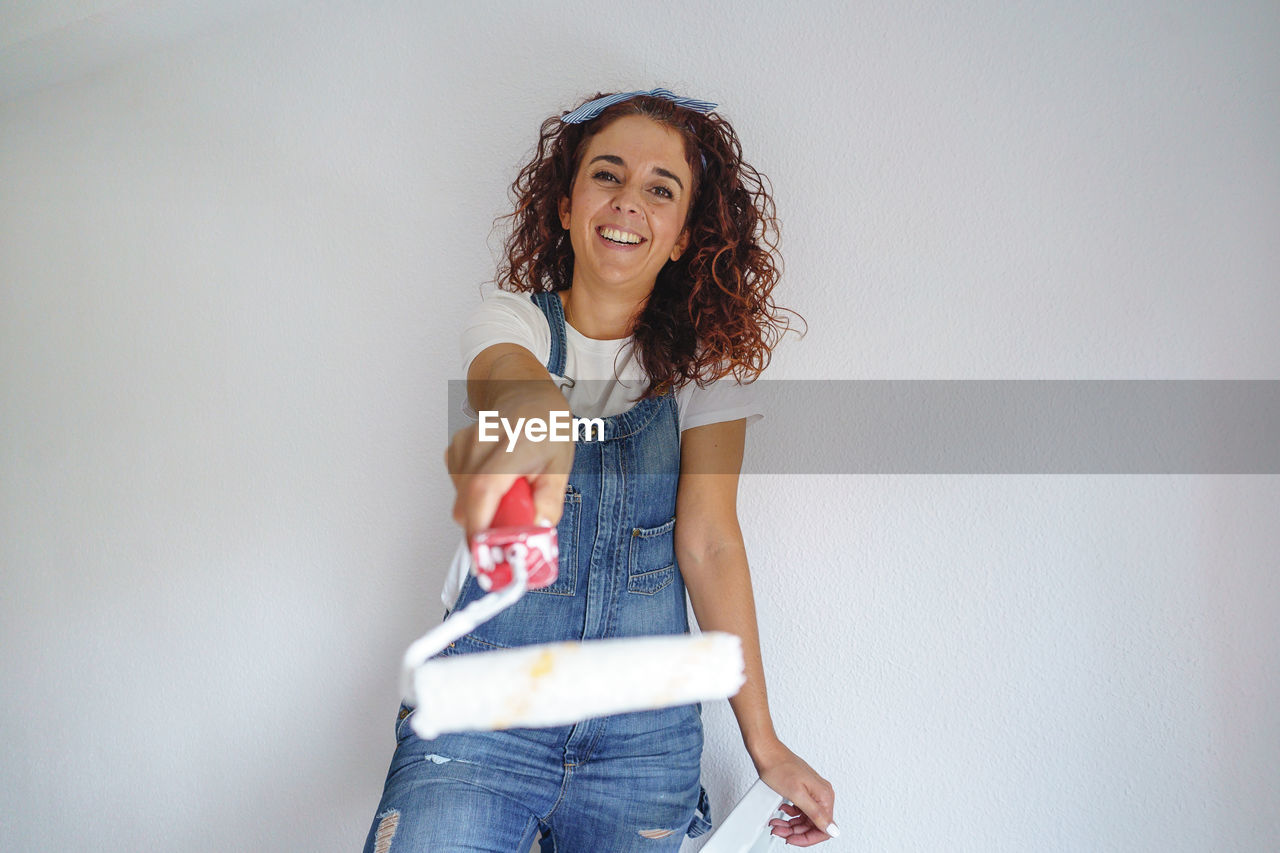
(232, 269)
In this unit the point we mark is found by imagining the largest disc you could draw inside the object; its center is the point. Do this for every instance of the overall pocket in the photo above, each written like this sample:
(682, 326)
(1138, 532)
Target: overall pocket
(652, 559)
(567, 537)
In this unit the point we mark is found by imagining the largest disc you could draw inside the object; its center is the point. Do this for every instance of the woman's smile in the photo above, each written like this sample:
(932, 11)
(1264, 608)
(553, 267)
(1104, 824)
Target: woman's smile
(620, 237)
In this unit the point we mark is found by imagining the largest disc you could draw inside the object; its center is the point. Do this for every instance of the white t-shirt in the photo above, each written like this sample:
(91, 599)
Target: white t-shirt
(599, 389)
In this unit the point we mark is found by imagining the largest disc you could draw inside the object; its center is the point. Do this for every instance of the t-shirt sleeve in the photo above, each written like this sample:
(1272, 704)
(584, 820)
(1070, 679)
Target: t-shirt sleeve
(505, 318)
(726, 399)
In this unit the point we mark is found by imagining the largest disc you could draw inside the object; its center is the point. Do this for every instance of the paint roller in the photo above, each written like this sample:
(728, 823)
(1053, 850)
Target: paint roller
(554, 683)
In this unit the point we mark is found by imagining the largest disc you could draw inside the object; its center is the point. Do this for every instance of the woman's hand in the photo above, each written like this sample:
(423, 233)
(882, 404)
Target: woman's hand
(811, 818)
(506, 378)
(483, 471)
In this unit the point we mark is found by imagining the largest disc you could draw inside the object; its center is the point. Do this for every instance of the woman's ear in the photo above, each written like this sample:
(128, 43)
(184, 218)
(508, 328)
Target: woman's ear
(681, 245)
(564, 212)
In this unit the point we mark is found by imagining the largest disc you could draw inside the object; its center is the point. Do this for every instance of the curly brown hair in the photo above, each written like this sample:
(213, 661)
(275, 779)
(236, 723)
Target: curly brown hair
(711, 313)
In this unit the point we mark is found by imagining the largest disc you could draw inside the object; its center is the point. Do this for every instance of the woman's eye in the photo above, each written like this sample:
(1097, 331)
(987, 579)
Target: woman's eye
(606, 175)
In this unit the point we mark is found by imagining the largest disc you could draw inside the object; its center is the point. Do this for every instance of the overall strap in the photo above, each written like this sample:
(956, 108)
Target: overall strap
(554, 312)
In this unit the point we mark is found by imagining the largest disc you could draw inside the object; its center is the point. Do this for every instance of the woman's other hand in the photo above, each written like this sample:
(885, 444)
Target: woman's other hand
(812, 817)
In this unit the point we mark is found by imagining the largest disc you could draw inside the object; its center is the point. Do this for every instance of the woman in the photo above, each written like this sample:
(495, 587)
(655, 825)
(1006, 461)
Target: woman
(638, 272)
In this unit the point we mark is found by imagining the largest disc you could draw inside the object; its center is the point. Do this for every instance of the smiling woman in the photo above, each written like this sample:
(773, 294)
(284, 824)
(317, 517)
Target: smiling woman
(636, 291)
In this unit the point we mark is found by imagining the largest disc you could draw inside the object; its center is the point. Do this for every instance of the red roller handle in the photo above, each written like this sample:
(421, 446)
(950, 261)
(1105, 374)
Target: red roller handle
(516, 507)
(514, 526)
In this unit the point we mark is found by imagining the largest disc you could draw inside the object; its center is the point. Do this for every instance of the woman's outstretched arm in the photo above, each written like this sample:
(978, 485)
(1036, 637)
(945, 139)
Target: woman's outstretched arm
(507, 378)
(713, 563)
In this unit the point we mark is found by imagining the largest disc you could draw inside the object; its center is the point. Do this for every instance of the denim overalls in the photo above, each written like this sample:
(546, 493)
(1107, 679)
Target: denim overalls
(608, 784)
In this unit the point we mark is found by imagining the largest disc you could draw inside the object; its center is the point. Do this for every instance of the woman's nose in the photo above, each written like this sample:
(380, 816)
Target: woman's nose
(625, 200)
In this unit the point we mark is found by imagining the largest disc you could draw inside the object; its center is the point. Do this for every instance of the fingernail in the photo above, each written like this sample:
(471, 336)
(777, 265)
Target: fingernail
(833, 830)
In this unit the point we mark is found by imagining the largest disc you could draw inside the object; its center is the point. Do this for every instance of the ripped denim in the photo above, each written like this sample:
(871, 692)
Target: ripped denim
(579, 792)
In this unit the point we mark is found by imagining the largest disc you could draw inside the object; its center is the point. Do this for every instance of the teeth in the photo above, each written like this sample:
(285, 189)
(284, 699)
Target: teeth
(619, 236)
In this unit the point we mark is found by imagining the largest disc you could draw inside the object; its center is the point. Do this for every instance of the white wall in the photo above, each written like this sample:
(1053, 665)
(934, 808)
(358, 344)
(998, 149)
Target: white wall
(232, 270)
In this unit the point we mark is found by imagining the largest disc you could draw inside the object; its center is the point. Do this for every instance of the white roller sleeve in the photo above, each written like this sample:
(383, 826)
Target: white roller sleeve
(561, 683)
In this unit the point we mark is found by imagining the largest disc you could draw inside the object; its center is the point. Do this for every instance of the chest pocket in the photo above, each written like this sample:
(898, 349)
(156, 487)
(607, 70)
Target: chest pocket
(567, 537)
(652, 559)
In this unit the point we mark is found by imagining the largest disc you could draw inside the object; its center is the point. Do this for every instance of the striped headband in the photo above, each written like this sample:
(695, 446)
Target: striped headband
(591, 109)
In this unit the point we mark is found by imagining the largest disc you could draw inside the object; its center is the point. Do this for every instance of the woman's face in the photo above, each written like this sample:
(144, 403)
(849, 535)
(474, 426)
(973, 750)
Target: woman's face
(630, 198)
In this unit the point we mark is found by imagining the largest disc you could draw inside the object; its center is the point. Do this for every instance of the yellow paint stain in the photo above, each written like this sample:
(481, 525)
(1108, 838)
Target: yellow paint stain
(543, 665)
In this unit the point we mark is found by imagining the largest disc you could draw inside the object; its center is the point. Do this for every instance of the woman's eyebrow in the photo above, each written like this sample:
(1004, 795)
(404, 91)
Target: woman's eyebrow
(618, 161)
